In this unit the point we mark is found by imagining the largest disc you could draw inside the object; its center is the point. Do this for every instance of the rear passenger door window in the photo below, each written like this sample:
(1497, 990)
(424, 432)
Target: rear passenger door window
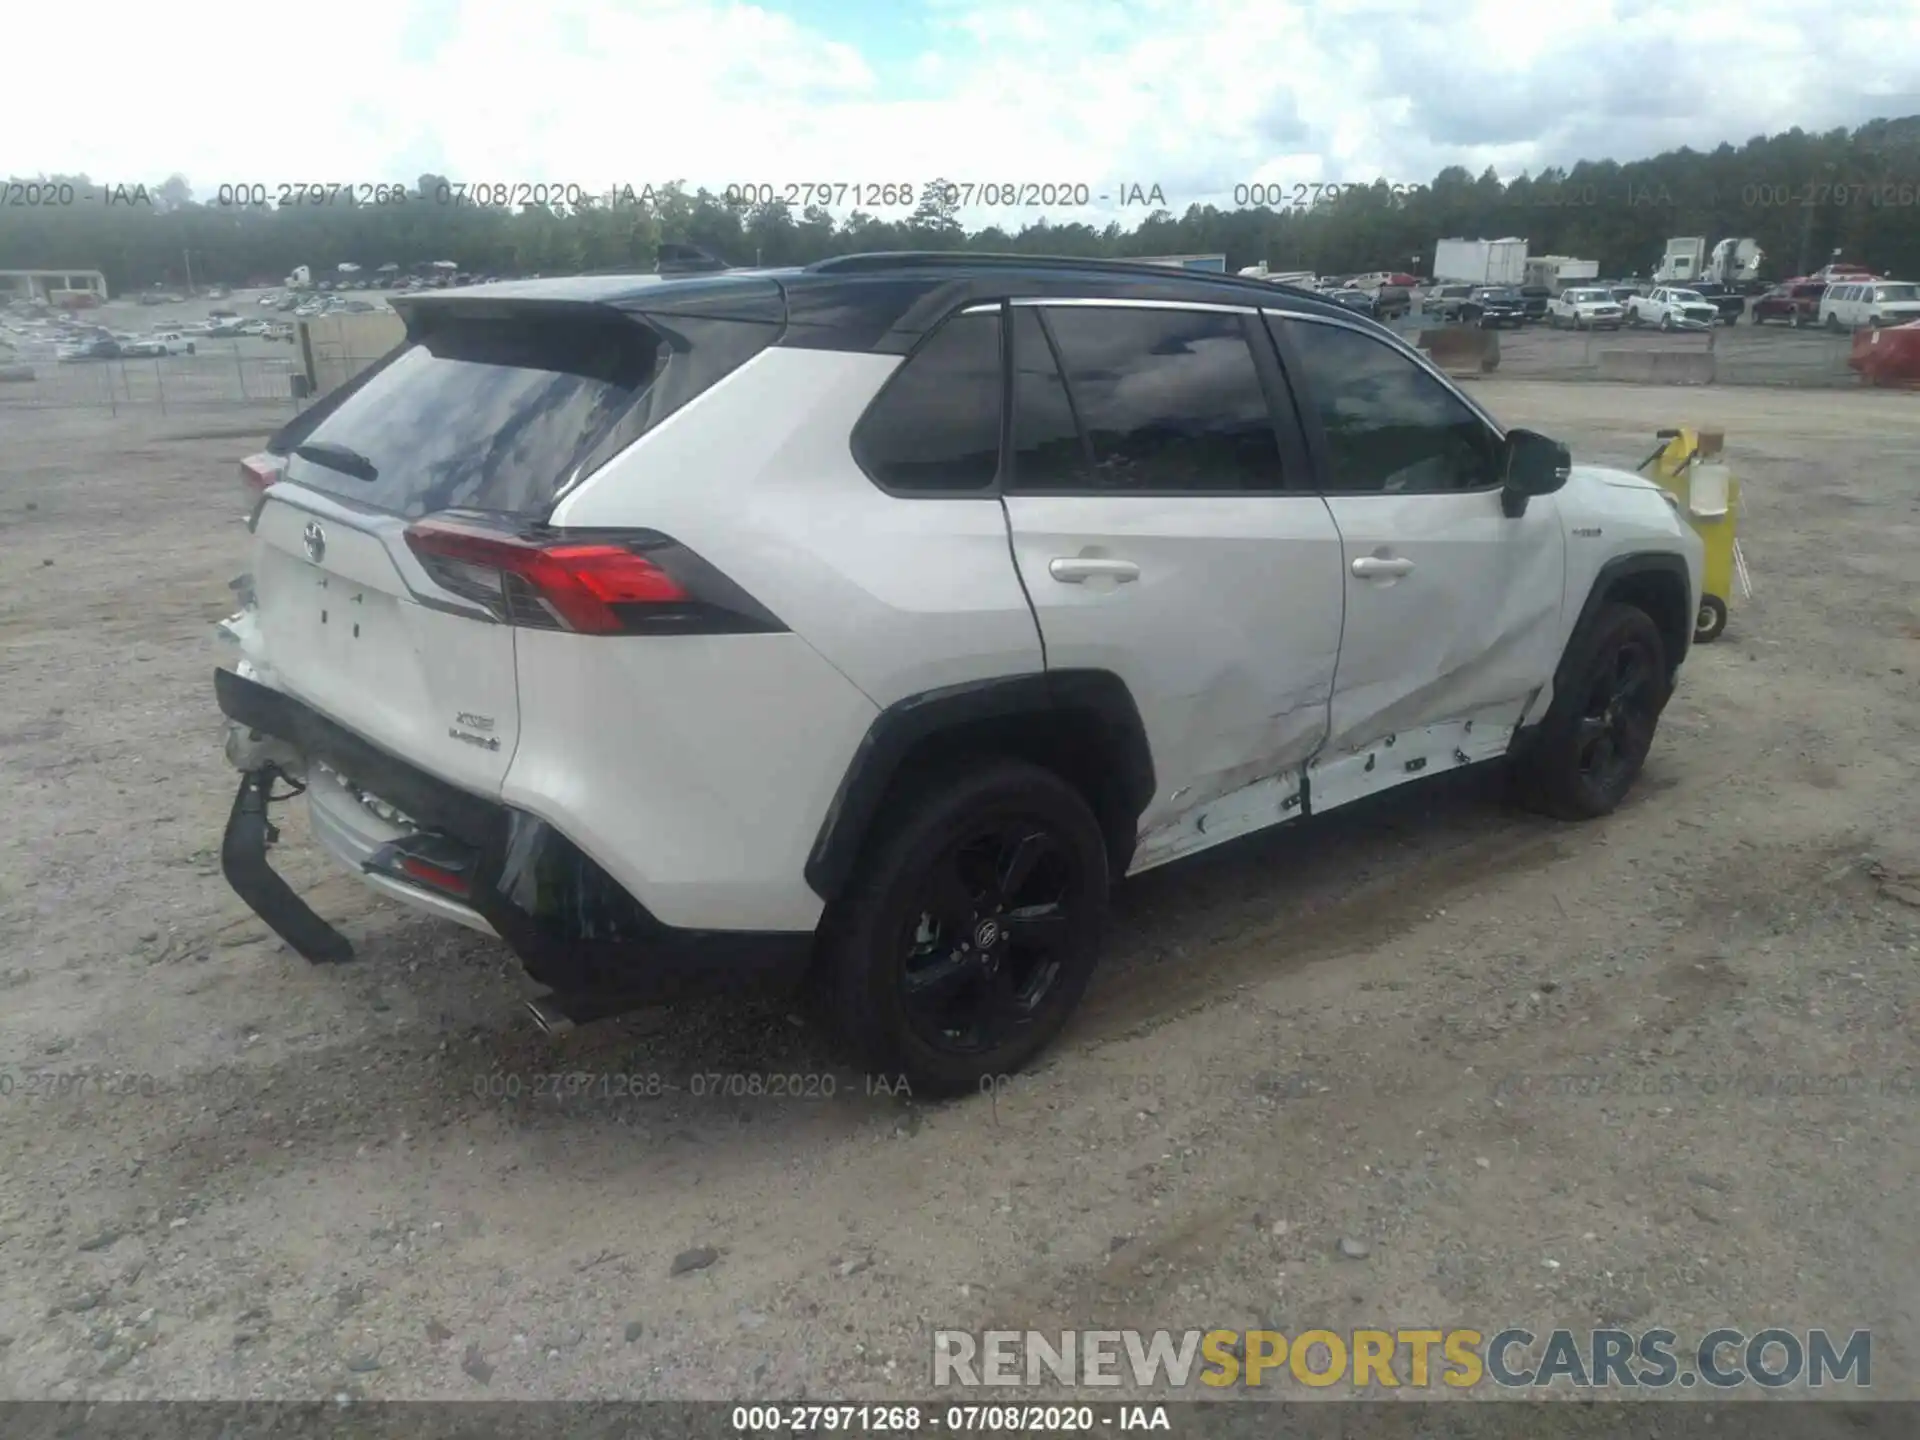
(1140, 401)
(935, 428)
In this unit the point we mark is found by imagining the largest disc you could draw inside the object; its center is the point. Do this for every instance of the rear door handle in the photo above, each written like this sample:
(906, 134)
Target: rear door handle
(1378, 567)
(1077, 569)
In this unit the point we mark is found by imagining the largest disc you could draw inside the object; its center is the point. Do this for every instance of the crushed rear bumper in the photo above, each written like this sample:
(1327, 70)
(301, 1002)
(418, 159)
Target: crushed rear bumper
(573, 927)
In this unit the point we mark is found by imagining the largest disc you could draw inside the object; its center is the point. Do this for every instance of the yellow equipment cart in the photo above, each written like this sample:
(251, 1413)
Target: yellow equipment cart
(1690, 465)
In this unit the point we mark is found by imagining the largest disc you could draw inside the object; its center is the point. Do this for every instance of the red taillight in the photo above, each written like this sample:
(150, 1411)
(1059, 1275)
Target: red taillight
(427, 873)
(257, 472)
(583, 585)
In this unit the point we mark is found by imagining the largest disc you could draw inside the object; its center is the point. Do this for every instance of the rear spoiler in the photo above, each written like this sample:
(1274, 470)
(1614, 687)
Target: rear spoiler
(707, 295)
(419, 313)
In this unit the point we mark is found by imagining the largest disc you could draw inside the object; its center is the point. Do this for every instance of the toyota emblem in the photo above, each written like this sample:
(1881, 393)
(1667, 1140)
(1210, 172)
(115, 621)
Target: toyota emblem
(987, 933)
(316, 540)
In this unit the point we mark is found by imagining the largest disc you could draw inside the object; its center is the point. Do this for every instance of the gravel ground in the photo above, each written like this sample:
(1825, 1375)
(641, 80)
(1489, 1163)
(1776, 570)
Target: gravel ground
(283, 1181)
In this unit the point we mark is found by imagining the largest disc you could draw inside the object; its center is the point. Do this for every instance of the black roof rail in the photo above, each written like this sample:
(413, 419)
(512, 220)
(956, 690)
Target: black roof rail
(882, 261)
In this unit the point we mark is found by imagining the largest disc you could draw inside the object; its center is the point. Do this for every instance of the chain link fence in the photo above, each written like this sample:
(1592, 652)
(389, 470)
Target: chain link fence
(215, 374)
(1744, 354)
(248, 373)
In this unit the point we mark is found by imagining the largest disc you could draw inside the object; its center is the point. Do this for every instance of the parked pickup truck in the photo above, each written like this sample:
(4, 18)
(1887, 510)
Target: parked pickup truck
(1592, 309)
(1729, 300)
(1671, 308)
(1493, 306)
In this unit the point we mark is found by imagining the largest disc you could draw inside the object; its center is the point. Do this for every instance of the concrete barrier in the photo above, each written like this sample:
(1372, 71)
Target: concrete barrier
(1634, 367)
(1462, 349)
(1657, 367)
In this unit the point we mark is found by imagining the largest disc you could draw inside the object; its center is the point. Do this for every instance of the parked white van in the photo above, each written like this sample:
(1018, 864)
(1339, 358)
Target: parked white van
(1859, 303)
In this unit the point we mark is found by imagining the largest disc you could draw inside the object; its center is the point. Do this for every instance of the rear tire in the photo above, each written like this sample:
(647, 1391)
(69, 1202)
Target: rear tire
(1595, 738)
(971, 927)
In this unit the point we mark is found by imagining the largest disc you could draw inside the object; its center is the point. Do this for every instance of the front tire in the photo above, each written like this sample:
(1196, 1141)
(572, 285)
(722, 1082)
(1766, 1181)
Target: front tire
(970, 929)
(1595, 739)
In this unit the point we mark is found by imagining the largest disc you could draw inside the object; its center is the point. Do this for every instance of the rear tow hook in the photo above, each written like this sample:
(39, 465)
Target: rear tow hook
(243, 860)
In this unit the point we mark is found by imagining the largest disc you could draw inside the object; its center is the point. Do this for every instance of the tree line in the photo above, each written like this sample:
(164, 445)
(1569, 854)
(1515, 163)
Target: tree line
(1804, 197)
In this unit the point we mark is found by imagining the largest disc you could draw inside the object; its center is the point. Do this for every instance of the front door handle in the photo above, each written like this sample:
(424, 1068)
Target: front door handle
(1078, 569)
(1379, 567)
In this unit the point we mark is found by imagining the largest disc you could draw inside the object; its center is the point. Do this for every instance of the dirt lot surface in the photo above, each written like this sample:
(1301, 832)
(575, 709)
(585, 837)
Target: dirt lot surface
(1657, 1070)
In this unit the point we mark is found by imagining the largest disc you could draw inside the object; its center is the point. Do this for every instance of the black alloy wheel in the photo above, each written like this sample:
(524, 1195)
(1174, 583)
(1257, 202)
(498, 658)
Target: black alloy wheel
(1612, 687)
(971, 926)
(980, 958)
(1616, 723)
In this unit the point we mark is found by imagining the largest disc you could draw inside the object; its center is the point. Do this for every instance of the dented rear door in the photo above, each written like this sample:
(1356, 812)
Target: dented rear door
(1165, 526)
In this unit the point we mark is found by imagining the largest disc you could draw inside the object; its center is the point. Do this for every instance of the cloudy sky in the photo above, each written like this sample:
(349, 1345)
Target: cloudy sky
(1197, 96)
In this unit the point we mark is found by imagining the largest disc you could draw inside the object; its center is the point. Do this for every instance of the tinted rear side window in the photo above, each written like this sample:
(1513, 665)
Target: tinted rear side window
(936, 424)
(481, 414)
(1170, 400)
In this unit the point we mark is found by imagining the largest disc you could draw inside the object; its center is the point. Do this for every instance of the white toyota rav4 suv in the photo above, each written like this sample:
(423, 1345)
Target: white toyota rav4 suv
(856, 626)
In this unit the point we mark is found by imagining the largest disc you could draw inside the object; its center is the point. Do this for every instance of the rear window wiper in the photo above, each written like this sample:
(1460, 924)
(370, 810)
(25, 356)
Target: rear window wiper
(338, 457)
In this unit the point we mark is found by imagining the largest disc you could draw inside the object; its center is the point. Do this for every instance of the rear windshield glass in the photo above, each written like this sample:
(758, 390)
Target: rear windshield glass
(481, 415)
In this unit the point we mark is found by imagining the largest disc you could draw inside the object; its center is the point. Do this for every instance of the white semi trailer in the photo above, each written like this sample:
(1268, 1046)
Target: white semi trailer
(1480, 262)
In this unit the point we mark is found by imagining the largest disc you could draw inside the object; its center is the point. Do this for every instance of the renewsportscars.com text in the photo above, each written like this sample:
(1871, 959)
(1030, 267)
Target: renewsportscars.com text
(1460, 1358)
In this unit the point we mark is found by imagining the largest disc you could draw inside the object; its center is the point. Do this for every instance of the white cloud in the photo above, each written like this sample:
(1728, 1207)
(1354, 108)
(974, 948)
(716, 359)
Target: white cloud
(1195, 95)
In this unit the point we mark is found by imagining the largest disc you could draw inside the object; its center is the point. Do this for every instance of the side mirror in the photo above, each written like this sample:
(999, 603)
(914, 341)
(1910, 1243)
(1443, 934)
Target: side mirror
(1536, 465)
